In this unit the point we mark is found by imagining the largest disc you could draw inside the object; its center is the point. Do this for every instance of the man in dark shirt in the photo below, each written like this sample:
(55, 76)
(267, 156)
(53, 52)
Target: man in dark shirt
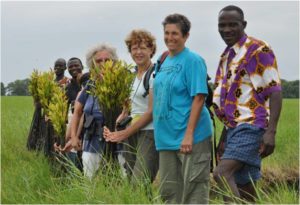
(75, 68)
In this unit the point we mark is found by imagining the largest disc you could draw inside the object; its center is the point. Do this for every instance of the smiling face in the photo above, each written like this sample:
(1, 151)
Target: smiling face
(231, 26)
(174, 39)
(74, 67)
(141, 54)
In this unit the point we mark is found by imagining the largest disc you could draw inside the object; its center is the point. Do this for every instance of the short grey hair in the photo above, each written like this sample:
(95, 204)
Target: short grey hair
(100, 47)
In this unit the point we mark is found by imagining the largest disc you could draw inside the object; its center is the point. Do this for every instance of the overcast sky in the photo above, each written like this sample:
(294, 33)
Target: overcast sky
(35, 34)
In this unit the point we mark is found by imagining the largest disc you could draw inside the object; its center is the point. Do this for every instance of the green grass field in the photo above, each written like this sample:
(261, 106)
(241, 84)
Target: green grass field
(26, 176)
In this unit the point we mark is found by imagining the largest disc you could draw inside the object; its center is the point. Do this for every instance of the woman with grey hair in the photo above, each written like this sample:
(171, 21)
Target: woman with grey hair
(93, 143)
(100, 54)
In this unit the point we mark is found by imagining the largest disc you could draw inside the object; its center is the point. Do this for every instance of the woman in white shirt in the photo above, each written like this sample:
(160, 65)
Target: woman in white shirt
(141, 157)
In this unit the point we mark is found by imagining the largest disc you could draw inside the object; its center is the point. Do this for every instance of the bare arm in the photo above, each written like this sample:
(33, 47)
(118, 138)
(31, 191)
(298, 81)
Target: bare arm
(268, 145)
(80, 126)
(78, 110)
(187, 142)
(144, 120)
(68, 132)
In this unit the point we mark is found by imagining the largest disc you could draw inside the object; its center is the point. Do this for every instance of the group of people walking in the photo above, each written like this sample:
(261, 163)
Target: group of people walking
(171, 127)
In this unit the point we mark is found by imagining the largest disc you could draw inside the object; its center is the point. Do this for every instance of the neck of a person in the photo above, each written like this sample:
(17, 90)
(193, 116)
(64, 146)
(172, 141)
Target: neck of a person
(59, 77)
(142, 68)
(175, 52)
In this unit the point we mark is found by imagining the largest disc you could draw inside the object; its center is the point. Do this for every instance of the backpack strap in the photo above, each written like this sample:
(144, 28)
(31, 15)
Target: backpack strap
(209, 97)
(146, 80)
(160, 61)
(90, 83)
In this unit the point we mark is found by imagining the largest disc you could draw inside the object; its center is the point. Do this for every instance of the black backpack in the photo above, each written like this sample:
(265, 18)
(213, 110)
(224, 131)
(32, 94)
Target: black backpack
(146, 79)
(208, 104)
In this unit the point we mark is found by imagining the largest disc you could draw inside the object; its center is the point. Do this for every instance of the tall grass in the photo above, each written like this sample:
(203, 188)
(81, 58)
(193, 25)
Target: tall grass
(279, 193)
(28, 177)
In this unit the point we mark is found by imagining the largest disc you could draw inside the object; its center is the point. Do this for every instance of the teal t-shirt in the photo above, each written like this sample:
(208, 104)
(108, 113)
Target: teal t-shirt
(179, 79)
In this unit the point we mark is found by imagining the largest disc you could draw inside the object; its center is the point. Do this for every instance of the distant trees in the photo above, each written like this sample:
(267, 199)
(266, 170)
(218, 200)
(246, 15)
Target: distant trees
(290, 89)
(2, 89)
(18, 87)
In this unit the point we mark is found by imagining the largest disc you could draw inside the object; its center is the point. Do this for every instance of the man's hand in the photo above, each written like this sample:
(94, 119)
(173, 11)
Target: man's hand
(57, 148)
(268, 144)
(187, 144)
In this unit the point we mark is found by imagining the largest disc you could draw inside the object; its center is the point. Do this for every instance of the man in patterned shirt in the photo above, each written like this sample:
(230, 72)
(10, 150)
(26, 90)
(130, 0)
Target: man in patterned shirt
(247, 99)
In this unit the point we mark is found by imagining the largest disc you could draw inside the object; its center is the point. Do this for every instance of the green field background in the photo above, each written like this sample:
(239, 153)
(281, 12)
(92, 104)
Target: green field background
(26, 176)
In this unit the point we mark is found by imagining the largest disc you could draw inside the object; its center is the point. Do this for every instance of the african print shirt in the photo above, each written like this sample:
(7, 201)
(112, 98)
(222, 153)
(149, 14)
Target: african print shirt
(246, 76)
(63, 82)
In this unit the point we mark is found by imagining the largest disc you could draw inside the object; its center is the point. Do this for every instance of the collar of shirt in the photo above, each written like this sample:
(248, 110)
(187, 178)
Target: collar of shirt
(236, 46)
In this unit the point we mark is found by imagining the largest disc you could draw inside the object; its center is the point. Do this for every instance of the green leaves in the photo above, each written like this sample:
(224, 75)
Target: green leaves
(52, 98)
(33, 85)
(58, 110)
(45, 87)
(112, 83)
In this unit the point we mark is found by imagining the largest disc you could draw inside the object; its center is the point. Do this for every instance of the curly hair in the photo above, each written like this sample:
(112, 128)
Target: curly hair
(100, 47)
(180, 20)
(138, 36)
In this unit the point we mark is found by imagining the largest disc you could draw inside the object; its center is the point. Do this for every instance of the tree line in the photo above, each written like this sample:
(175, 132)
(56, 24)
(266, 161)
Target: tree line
(20, 88)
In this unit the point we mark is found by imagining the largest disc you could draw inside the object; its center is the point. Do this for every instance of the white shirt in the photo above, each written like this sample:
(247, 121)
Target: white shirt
(139, 104)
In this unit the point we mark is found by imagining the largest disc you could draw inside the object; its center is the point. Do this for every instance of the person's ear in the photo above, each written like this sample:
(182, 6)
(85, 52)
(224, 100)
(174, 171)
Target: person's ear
(187, 36)
(244, 24)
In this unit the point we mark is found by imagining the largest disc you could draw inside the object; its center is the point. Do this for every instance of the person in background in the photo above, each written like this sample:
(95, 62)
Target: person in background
(93, 143)
(73, 87)
(182, 124)
(59, 70)
(247, 100)
(48, 130)
(139, 148)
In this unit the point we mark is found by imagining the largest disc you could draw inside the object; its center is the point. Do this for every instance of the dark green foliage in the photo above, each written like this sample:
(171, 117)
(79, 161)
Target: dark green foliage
(290, 89)
(2, 89)
(18, 88)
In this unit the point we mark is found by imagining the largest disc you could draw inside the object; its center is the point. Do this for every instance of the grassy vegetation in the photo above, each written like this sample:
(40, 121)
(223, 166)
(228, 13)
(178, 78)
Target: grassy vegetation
(27, 177)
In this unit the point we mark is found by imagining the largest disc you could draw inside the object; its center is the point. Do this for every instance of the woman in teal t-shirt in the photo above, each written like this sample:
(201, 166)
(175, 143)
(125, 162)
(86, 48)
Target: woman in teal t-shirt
(182, 125)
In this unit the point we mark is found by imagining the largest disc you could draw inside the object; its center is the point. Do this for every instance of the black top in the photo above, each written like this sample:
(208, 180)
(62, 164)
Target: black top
(72, 90)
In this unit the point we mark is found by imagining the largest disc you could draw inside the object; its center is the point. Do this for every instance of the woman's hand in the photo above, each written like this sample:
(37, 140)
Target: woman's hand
(75, 143)
(186, 146)
(114, 136)
(106, 132)
(67, 147)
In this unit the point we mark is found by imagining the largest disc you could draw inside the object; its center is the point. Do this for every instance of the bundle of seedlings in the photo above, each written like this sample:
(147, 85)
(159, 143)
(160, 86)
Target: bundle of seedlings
(33, 135)
(46, 86)
(58, 111)
(112, 86)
